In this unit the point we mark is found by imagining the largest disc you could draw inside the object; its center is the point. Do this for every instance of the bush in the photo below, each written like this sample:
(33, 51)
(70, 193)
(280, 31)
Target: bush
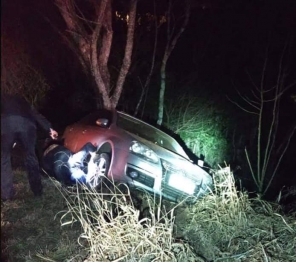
(201, 125)
(228, 226)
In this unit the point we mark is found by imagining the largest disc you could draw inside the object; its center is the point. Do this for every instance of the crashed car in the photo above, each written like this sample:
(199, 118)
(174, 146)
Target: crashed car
(134, 152)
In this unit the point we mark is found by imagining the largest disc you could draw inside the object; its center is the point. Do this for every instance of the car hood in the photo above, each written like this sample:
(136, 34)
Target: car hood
(176, 162)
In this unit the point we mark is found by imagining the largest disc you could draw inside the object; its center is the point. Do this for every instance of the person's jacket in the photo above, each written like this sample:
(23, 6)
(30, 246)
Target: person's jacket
(17, 106)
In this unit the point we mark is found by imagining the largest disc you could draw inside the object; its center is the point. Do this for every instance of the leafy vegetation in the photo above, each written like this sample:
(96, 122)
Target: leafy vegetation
(201, 125)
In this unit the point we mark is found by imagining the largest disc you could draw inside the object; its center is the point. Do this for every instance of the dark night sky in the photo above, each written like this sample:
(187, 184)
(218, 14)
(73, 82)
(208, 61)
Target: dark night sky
(234, 36)
(223, 39)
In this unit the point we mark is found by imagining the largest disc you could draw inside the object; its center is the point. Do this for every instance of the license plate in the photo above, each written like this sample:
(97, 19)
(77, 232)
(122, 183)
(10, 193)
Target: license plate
(182, 183)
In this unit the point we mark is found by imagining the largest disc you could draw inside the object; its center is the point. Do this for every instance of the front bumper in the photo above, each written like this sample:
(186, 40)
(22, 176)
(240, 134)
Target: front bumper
(167, 182)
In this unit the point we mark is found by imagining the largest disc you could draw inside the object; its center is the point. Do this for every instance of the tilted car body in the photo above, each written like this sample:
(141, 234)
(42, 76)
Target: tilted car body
(134, 152)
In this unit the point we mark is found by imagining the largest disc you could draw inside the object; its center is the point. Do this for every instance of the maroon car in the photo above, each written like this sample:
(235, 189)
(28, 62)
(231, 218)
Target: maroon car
(134, 152)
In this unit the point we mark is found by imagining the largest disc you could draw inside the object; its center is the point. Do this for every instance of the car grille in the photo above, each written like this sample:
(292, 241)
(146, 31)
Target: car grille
(172, 192)
(142, 178)
(146, 180)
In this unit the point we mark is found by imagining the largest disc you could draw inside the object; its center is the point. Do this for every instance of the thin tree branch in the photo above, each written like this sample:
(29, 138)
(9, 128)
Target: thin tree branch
(128, 52)
(251, 112)
(252, 81)
(251, 168)
(275, 112)
(280, 160)
(147, 82)
(249, 101)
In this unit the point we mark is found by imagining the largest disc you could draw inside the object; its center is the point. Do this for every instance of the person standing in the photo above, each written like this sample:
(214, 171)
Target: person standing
(18, 124)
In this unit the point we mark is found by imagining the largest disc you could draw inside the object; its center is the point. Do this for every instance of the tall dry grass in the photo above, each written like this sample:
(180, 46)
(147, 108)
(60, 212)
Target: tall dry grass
(110, 225)
(225, 225)
(113, 229)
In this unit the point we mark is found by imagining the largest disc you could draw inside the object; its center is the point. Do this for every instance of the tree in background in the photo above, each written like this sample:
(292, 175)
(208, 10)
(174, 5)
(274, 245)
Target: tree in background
(264, 103)
(90, 35)
(155, 22)
(18, 76)
(171, 41)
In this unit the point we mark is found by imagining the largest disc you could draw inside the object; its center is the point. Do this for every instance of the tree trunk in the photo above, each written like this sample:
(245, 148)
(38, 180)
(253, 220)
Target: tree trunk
(171, 43)
(106, 46)
(162, 90)
(93, 46)
(128, 52)
(148, 79)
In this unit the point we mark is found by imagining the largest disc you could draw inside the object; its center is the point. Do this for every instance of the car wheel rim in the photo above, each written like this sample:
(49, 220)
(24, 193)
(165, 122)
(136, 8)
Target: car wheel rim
(100, 172)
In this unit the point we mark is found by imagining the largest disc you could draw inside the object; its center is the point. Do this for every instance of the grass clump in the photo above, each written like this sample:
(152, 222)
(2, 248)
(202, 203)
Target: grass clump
(114, 230)
(228, 226)
(79, 224)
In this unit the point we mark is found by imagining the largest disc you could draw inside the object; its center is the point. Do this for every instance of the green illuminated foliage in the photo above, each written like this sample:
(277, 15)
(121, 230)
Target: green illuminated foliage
(201, 125)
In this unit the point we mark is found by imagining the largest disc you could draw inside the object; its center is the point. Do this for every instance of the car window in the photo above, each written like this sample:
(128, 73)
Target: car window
(149, 133)
(94, 116)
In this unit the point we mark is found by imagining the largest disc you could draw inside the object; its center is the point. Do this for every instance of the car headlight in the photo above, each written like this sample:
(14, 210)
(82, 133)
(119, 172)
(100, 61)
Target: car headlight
(144, 151)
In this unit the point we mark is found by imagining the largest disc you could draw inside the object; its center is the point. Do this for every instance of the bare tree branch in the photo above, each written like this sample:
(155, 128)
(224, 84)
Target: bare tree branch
(128, 52)
(252, 81)
(249, 101)
(170, 45)
(280, 160)
(148, 79)
(251, 112)
(92, 42)
(266, 147)
(95, 69)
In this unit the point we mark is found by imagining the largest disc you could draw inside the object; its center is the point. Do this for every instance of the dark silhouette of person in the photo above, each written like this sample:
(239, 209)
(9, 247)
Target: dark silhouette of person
(18, 125)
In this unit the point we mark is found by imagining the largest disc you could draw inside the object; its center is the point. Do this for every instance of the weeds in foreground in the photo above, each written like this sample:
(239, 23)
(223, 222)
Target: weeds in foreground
(113, 229)
(228, 226)
(108, 226)
(223, 226)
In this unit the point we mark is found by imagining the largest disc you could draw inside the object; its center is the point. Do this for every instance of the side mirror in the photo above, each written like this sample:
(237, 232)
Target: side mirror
(102, 122)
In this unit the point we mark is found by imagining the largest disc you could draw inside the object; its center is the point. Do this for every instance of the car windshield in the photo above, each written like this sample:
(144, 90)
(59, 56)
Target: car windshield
(149, 133)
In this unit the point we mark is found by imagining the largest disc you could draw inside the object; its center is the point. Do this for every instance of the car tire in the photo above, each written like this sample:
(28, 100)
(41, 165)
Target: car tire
(102, 162)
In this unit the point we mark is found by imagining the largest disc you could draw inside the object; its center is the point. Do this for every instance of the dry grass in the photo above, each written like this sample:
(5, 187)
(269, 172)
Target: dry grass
(78, 224)
(228, 226)
(114, 231)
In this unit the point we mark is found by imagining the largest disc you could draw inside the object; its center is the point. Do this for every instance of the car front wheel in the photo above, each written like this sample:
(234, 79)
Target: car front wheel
(98, 168)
